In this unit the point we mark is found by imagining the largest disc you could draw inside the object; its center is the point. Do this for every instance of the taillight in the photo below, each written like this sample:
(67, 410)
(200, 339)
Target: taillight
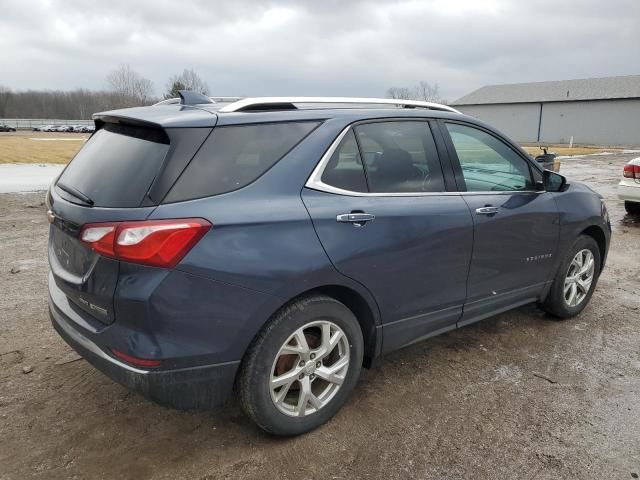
(632, 171)
(160, 243)
(138, 362)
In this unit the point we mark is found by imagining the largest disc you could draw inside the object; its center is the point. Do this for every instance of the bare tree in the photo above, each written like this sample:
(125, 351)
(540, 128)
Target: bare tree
(399, 93)
(427, 92)
(71, 104)
(131, 87)
(187, 80)
(5, 97)
(423, 91)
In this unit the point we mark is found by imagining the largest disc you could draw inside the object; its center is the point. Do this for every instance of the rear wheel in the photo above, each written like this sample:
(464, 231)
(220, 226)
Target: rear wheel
(302, 367)
(576, 279)
(632, 208)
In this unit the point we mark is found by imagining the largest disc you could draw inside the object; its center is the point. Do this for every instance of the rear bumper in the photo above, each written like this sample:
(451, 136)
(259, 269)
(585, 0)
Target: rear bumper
(194, 387)
(629, 190)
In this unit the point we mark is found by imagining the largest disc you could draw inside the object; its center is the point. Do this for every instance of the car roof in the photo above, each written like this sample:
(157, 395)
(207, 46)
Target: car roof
(208, 115)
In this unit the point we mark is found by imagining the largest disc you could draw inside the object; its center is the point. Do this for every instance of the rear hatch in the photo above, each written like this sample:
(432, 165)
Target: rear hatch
(120, 174)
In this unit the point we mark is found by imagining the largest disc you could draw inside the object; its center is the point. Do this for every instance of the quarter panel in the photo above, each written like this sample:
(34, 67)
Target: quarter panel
(264, 245)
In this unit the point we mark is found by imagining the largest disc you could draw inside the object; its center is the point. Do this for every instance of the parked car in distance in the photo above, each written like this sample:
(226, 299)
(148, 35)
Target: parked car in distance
(49, 128)
(278, 246)
(6, 128)
(629, 187)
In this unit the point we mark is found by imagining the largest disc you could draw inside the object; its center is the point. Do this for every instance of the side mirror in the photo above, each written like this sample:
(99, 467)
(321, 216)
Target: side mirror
(552, 181)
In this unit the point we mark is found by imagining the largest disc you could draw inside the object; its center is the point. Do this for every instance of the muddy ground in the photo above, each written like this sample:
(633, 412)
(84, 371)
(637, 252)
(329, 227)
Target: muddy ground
(516, 396)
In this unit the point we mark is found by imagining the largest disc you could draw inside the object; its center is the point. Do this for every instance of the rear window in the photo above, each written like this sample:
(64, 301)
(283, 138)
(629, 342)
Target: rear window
(116, 166)
(235, 156)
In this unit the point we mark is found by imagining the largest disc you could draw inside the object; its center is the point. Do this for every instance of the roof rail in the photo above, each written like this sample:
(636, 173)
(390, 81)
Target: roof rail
(172, 101)
(266, 103)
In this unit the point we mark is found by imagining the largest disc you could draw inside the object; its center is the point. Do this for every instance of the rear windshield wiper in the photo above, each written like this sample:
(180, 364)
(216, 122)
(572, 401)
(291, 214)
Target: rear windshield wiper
(76, 193)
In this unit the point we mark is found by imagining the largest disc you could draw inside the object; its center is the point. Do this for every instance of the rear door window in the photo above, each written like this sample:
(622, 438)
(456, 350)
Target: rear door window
(400, 157)
(116, 166)
(235, 156)
(344, 169)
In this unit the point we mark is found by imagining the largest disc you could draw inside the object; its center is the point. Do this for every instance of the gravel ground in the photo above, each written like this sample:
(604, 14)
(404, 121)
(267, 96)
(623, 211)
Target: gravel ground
(518, 395)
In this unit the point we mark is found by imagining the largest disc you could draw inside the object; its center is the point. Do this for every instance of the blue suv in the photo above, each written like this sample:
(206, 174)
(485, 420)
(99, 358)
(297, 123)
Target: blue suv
(274, 246)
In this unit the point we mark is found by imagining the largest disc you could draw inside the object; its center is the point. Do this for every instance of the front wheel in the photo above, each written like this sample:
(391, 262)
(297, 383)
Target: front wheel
(302, 367)
(576, 279)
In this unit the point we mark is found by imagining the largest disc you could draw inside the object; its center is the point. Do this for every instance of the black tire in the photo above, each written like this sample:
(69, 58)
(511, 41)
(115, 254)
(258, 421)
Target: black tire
(255, 371)
(555, 303)
(632, 208)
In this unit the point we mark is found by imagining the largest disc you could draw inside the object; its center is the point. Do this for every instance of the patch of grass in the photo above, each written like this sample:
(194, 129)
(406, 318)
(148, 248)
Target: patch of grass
(565, 150)
(22, 149)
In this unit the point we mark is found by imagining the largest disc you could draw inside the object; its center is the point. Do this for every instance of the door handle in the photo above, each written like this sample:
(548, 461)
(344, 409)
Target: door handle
(487, 210)
(358, 219)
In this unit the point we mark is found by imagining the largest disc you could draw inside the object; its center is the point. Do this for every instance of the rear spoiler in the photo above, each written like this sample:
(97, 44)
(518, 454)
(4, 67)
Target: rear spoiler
(161, 116)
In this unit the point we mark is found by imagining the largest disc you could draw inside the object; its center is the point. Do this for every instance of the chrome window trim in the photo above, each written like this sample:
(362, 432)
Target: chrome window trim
(314, 182)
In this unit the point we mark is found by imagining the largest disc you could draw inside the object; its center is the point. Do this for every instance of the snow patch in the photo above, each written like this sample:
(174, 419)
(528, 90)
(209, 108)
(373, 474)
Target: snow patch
(22, 177)
(600, 154)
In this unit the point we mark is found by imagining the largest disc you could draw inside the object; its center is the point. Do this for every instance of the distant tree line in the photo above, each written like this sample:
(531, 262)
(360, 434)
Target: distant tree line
(126, 88)
(423, 91)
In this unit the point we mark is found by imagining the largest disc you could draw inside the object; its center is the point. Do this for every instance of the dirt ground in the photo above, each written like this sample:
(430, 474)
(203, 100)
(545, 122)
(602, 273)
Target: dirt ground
(519, 395)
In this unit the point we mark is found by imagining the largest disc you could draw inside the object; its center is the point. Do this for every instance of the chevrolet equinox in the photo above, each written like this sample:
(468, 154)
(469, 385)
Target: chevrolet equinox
(273, 247)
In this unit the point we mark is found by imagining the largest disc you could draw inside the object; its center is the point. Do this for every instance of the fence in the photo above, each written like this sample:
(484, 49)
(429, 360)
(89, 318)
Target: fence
(30, 123)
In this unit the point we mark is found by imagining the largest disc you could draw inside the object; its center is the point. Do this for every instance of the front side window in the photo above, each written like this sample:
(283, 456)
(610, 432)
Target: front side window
(400, 157)
(488, 164)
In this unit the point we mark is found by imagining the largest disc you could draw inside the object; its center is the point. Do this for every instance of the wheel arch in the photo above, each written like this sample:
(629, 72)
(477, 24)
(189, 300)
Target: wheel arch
(599, 236)
(364, 313)
(364, 309)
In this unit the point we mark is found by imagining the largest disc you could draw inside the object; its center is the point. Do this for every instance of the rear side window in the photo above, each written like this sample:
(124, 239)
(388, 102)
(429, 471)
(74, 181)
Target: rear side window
(400, 157)
(345, 170)
(235, 156)
(117, 165)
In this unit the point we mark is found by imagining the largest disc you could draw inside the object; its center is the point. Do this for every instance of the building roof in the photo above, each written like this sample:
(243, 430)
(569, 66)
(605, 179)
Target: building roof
(555, 91)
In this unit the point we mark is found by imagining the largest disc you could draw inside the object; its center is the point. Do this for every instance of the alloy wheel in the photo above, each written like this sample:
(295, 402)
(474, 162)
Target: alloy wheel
(309, 368)
(579, 278)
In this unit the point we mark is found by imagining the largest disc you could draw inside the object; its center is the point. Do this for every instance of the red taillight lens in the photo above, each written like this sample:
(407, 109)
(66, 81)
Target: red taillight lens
(632, 171)
(138, 362)
(160, 243)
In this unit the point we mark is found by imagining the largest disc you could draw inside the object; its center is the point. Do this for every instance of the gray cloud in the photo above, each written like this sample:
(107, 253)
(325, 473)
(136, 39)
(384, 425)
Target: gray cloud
(326, 47)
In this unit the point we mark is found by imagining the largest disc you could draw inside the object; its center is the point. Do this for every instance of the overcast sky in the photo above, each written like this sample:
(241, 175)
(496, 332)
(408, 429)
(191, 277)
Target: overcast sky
(327, 47)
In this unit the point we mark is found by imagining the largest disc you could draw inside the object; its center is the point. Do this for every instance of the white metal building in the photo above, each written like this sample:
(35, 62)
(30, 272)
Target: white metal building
(594, 111)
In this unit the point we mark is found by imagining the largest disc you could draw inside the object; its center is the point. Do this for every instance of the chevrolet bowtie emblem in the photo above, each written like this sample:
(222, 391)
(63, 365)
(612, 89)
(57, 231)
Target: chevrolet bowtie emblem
(51, 217)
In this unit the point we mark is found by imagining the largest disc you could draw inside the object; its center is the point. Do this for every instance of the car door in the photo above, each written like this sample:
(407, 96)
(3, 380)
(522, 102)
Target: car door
(516, 225)
(379, 203)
